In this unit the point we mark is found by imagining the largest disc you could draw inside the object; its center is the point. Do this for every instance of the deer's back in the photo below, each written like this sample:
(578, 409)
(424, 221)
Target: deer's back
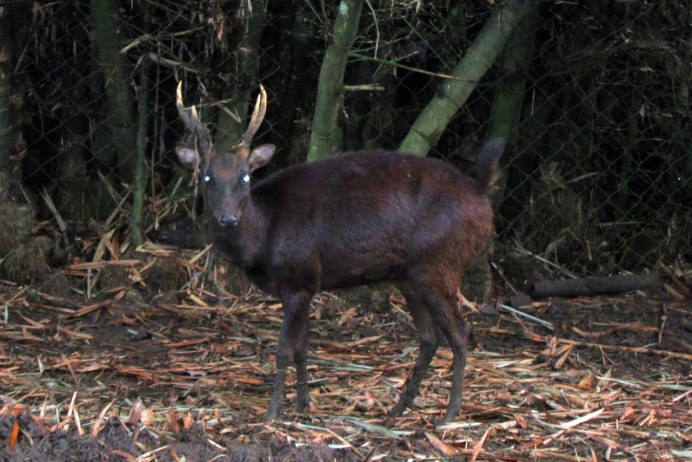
(369, 216)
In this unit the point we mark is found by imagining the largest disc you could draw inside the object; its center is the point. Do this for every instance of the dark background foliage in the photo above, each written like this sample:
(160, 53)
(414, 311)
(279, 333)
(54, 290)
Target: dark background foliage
(596, 178)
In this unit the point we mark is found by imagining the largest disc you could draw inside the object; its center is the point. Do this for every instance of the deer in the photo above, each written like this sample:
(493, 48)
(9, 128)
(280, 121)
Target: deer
(357, 218)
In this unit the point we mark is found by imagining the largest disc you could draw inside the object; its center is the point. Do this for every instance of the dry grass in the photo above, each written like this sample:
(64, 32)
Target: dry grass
(189, 373)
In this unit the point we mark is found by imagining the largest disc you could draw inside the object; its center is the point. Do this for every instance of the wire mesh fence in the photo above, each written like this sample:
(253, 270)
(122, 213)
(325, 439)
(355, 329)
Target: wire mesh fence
(596, 180)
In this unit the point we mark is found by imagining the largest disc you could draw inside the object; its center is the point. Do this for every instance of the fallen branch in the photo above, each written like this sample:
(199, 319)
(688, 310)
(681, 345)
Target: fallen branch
(596, 285)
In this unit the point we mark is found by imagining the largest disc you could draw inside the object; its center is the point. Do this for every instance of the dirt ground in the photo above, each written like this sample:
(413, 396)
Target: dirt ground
(139, 374)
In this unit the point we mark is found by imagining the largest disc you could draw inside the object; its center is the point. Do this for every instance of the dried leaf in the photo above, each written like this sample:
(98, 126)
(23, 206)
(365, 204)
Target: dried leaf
(15, 433)
(135, 413)
(443, 448)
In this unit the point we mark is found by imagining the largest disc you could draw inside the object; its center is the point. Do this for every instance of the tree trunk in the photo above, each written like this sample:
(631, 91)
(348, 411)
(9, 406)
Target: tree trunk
(325, 129)
(297, 61)
(72, 169)
(244, 70)
(140, 180)
(112, 64)
(5, 124)
(489, 43)
(509, 97)
(510, 94)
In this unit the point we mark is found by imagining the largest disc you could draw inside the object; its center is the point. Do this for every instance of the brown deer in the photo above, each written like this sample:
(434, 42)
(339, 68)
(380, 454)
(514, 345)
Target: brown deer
(358, 218)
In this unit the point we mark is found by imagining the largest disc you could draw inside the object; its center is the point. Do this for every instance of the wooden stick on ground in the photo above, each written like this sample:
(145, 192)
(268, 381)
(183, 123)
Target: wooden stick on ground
(596, 285)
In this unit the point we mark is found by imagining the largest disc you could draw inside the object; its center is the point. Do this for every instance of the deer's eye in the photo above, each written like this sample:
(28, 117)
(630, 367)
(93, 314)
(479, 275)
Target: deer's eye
(206, 178)
(246, 178)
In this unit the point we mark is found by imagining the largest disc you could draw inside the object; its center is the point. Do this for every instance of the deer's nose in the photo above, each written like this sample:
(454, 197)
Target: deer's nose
(228, 220)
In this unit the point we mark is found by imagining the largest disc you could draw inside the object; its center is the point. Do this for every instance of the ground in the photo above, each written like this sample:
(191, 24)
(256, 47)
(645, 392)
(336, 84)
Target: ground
(184, 375)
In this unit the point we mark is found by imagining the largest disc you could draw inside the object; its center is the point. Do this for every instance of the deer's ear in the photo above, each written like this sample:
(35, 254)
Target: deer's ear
(260, 156)
(188, 157)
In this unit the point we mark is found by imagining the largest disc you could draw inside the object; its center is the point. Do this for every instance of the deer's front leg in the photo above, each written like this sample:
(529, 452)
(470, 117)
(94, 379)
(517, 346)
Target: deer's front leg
(293, 340)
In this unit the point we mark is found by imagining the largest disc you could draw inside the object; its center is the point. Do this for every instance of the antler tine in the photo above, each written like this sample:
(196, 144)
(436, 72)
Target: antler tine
(190, 118)
(257, 117)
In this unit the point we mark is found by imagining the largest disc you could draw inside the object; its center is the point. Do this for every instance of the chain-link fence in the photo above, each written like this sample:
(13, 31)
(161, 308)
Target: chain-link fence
(596, 178)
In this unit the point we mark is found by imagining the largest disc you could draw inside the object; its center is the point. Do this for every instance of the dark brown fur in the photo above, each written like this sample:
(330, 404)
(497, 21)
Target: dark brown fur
(355, 219)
